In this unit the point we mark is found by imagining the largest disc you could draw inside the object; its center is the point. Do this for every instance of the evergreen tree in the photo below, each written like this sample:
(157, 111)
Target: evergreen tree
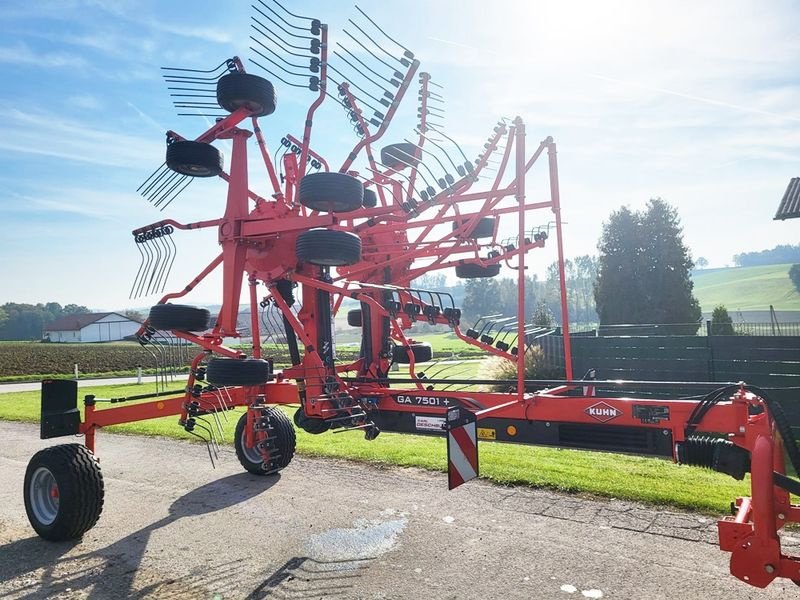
(721, 322)
(794, 275)
(643, 269)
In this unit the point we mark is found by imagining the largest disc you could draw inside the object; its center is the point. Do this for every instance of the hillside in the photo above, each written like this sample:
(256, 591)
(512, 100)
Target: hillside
(746, 288)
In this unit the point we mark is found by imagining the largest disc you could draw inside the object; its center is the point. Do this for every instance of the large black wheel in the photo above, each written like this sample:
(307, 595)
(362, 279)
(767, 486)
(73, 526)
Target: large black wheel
(354, 318)
(475, 271)
(331, 192)
(63, 492)
(242, 90)
(237, 371)
(370, 199)
(400, 156)
(194, 158)
(179, 317)
(275, 442)
(484, 228)
(328, 247)
(309, 424)
(422, 353)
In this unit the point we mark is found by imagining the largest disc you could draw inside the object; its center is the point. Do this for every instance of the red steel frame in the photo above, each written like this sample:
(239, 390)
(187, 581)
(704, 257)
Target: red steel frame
(258, 235)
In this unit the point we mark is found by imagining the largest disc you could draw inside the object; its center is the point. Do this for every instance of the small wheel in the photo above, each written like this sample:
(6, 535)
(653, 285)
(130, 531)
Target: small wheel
(400, 156)
(328, 247)
(475, 271)
(484, 228)
(243, 90)
(194, 159)
(354, 318)
(330, 192)
(275, 442)
(370, 199)
(310, 425)
(237, 371)
(179, 317)
(63, 492)
(422, 353)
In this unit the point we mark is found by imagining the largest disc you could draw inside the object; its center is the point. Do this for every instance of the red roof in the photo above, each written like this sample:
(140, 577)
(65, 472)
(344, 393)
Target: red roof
(78, 321)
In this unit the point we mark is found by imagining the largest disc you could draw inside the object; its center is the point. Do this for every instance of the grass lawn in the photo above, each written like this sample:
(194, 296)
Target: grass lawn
(603, 474)
(746, 288)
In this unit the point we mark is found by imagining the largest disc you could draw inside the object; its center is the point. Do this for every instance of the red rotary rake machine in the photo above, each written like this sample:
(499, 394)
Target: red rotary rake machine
(365, 230)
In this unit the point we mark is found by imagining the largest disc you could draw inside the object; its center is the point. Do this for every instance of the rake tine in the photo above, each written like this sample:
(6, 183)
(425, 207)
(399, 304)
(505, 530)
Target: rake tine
(146, 269)
(291, 13)
(144, 183)
(275, 75)
(278, 25)
(375, 83)
(153, 181)
(395, 75)
(219, 66)
(141, 264)
(179, 191)
(166, 194)
(154, 270)
(402, 61)
(260, 43)
(408, 53)
(269, 34)
(262, 3)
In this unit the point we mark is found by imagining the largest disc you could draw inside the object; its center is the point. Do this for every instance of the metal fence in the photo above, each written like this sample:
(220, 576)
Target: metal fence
(700, 328)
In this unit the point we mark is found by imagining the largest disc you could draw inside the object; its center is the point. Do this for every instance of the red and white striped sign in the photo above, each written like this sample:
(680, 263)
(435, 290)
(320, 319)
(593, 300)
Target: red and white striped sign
(462, 447)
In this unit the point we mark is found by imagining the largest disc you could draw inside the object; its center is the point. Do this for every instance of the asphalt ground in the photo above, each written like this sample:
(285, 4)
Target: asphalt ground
(173, 527)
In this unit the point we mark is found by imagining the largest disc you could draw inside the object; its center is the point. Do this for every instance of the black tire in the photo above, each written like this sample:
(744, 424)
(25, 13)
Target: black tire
(330, 192)
(422, 353)
(63, 492)
(484, 228)
(278, 438)
(328, 247)
(234, 371)
(179, 317)
(370, 199)
(476, 271)
(194, 159)
(310, 425)
(354, 318)
(242, 90)
(400, 156)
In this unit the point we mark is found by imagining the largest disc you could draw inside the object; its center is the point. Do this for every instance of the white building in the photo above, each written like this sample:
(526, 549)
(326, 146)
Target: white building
(91, 327)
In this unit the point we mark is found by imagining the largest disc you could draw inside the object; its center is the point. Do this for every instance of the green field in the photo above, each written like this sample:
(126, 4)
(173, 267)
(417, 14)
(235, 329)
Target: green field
(746, 288)
(634, 478)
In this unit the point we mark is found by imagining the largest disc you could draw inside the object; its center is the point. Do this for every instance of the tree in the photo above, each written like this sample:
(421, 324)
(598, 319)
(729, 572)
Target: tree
(643, 269)
(702, 262)
(721, 322)
(543, 316)
(794, 275)
(134, 315)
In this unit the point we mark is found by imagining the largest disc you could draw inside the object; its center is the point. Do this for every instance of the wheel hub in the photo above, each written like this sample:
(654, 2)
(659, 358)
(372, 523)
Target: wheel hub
(44, 496)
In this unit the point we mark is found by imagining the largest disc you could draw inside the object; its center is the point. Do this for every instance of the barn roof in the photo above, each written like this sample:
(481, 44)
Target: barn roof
(78, 321)
(790, 204)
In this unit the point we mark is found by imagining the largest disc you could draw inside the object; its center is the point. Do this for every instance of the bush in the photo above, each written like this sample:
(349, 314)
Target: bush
(721, 322)
(500, 368)
(794, 275)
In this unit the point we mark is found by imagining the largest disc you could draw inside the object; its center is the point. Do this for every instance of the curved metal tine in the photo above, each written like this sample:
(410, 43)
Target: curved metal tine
(224, 63)
(284, 43)
(402, 61)
(392, 82)
(141, 264)
(278, 25)
(173, 253)
(451, 140)
(160, 241)
(360, 100)
(169, 78)
(146, 269)
(375, 183)
(408, 53)
(210, 115)
(221, 399)
(193, 104)
(178, 192)
(153, 174)
(337, 99)
(372, 81)
(263, 45)
(438, 180)
(424, 179)
(355, 85)
(372, 54)
(192, 96)
(262, 3)
(156, 264)
(145, 193)
(158, 195)
(427, 138)
(155, 192)
(278, 65)
(291, 13)
(163, 196)
(275, 75)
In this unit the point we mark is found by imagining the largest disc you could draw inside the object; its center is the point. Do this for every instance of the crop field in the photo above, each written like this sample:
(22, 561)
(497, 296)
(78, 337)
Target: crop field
(746, 288)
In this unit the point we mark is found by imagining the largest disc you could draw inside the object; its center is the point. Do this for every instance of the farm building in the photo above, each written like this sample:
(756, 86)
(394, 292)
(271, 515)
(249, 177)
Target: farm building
(91, 327)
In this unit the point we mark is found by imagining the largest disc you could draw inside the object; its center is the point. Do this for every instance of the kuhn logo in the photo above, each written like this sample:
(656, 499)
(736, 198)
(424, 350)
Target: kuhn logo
(603, 412)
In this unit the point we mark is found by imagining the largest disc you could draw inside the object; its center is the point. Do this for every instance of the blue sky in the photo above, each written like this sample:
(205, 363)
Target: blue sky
(698, 103)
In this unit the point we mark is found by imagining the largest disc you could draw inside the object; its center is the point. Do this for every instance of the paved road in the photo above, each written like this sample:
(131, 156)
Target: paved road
(37, 385)
(174, 528)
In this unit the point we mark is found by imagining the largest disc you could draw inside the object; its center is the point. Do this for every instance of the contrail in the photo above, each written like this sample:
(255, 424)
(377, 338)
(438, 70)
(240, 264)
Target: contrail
(738, 107)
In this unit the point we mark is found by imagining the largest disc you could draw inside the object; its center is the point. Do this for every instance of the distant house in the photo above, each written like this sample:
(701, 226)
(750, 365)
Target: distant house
(789, 208)
(91, 327)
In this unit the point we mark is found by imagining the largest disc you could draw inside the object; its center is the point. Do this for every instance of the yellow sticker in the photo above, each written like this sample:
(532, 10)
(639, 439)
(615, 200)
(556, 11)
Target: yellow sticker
(484, 433)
